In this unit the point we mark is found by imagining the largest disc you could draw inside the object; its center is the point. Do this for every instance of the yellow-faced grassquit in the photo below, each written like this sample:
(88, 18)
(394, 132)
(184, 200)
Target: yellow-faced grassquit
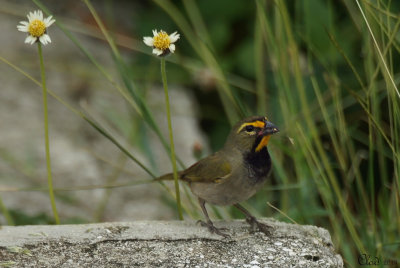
(235, 173)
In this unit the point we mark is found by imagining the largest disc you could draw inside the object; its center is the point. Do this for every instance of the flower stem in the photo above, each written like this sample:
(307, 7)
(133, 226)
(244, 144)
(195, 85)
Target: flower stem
(171, 138)
(46, 136)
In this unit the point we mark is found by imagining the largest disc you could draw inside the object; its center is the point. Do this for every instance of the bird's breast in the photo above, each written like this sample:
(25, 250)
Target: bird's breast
(258, 165)
(246, 178)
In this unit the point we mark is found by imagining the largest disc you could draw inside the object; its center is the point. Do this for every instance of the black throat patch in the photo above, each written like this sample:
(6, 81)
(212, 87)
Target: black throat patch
(258, 165)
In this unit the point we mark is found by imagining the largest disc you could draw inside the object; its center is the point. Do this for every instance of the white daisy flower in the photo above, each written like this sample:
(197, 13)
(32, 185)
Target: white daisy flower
(36, 27)
(161, 42)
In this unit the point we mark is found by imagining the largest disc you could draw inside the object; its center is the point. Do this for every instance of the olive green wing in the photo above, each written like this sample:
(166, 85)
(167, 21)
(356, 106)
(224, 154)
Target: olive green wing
(213, 168)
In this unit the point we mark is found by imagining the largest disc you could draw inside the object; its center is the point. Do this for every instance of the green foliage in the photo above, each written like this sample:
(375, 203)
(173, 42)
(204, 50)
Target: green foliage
(325, 72)
(21, 218)
(327, 87)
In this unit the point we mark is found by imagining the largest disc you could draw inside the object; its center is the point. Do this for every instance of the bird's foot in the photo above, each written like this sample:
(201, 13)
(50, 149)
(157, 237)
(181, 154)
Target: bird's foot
(213, 229)
(259, 226)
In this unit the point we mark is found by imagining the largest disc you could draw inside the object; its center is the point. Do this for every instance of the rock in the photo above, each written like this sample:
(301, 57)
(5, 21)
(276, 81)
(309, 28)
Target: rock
(166, 244)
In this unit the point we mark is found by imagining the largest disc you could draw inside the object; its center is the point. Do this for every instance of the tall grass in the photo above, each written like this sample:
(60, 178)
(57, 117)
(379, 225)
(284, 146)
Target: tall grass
(346, 151)
(333, 91)
(341, 112)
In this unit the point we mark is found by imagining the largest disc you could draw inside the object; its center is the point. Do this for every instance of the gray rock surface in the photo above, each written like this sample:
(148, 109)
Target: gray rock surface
(166, 244)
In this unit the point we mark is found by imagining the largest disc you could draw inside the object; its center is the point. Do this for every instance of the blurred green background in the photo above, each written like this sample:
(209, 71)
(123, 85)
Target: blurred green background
(325, 72)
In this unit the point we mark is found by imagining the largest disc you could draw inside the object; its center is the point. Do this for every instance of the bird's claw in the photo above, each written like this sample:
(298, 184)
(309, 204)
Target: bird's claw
(213, 229)
(256, 225)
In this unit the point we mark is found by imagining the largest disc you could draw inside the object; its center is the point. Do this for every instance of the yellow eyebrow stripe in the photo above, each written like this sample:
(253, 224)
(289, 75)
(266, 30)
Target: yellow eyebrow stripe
(259, 124)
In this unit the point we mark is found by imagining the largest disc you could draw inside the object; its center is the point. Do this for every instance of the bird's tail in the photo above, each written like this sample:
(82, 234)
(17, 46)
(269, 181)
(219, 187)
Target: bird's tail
(167, 177)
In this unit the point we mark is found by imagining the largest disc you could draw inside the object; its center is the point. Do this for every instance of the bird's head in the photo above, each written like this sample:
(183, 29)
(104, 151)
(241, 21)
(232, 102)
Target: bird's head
(251, 134)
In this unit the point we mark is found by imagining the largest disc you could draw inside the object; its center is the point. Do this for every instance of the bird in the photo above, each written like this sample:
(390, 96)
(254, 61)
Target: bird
(234, 173)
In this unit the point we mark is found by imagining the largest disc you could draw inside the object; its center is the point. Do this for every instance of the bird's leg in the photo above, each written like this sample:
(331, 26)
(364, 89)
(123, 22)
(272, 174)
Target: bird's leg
(254, 223)
(209, 223)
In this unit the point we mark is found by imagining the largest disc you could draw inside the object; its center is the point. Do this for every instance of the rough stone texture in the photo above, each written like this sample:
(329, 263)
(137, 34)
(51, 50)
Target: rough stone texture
(165, 244)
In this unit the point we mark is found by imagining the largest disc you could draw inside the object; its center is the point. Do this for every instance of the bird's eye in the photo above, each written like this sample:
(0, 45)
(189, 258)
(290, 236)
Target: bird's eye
(249, 128)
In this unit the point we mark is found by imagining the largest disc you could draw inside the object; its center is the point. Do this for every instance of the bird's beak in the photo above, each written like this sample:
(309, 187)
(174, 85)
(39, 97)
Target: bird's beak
(268, 129)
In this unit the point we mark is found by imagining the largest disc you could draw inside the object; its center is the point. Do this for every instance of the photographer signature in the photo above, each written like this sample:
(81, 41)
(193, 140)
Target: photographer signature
(365, 259)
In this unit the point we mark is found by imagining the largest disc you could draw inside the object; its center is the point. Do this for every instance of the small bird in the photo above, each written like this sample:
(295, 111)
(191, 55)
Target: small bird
(235, 173)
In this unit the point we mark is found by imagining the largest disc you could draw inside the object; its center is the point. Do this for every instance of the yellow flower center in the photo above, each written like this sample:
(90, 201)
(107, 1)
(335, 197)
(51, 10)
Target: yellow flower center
(37, 28)
(161, 41)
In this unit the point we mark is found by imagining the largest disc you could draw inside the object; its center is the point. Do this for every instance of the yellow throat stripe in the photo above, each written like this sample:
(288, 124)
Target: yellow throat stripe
(259, 124)
(264, 141)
